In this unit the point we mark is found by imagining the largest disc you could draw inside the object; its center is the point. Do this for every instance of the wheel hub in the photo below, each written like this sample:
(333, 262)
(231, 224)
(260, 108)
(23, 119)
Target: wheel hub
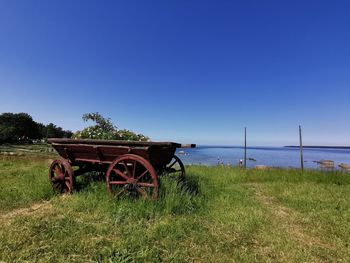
(132, 181)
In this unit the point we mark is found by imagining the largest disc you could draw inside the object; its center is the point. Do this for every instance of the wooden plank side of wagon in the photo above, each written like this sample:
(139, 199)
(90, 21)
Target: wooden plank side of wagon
(112, 142)
(111, 152)
(96, 153)
(161, 156)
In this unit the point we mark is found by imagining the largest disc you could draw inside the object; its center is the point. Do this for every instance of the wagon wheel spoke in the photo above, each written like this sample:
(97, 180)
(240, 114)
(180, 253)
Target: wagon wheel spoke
(175, 168)
(59, 186)
(61, 176)
(126, 168)
(138, 178)
(66, 173)
(120, 174)
(170, 170)
(120, 192)
(59, 173)
(139, 175)
(68, 182)
(118, 182)
(173, 163)
(145, 184)
(57, 170)
(134, 171)
(67, 186)
(55, 179)
(142, 192)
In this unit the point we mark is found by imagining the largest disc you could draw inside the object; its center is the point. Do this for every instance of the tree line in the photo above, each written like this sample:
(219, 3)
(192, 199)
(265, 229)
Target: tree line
(21, 128)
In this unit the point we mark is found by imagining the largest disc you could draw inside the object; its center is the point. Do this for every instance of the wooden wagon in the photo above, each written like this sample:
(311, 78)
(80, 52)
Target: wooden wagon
(130, 167)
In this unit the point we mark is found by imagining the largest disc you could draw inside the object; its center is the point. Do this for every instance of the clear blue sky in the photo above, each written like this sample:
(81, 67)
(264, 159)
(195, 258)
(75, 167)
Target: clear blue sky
(187, 71)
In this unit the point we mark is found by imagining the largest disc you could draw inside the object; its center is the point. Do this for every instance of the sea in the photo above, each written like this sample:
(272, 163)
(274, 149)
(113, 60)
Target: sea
(270, 156)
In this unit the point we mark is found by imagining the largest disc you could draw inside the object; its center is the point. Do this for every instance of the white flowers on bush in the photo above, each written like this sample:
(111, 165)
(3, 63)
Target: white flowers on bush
(104, 129)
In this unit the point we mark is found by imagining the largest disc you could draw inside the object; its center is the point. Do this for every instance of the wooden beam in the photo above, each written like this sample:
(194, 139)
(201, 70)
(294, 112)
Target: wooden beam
(99, 153)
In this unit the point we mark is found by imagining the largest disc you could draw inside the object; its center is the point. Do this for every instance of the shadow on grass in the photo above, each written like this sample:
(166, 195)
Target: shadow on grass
(175, 197)
(85, 180)
(189, 184)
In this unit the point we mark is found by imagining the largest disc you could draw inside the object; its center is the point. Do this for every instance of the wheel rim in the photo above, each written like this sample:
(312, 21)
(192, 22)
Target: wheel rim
(61, 177)
(175, 168)
(132, 175)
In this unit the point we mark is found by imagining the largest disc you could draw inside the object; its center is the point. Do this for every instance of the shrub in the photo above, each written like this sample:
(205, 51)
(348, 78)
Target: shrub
(106, 130)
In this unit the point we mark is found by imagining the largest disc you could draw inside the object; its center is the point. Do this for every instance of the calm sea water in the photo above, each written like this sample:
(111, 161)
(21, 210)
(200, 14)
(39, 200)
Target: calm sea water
(270, 156)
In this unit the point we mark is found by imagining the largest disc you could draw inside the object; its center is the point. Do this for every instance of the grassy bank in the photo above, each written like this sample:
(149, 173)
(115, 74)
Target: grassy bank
(20, 149)
(219, 214)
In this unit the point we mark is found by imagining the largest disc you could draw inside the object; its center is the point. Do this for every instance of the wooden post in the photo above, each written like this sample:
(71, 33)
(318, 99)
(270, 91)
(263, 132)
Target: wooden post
(301, 150)
(245, 147)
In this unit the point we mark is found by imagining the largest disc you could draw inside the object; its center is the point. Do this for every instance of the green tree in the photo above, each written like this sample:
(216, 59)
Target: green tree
(16, 127)
(20, 127)
(42, 130)
(104, 123)
(53, 131)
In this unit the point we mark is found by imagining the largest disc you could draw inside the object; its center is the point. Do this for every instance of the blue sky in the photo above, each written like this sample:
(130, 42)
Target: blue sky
(187, 71)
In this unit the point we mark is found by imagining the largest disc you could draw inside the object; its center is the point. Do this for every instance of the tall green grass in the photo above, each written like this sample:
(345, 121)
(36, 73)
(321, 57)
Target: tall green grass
(23, 180)
(215, 215)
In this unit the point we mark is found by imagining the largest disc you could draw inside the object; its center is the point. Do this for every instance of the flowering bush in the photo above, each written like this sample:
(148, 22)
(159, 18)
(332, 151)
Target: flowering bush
(104, 129)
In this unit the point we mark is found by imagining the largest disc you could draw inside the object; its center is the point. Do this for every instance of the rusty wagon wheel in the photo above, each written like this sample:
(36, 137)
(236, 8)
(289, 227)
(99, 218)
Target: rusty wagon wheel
(61, 176)
(133, 175)
(175, 168)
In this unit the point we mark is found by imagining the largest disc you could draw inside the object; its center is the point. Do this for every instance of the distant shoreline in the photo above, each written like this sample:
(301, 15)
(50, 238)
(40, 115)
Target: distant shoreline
(318, 147)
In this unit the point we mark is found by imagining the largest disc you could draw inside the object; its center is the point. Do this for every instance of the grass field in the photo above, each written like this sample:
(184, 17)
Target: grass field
(26, 148)
(219, 214)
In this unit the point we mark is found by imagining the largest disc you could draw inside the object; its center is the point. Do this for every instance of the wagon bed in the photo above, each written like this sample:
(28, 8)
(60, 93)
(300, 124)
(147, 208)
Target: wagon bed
(130, 164)
(105, 151)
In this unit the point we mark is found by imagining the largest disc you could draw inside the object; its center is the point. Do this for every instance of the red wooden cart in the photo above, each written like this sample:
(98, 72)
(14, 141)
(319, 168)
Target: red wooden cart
(130, 167)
